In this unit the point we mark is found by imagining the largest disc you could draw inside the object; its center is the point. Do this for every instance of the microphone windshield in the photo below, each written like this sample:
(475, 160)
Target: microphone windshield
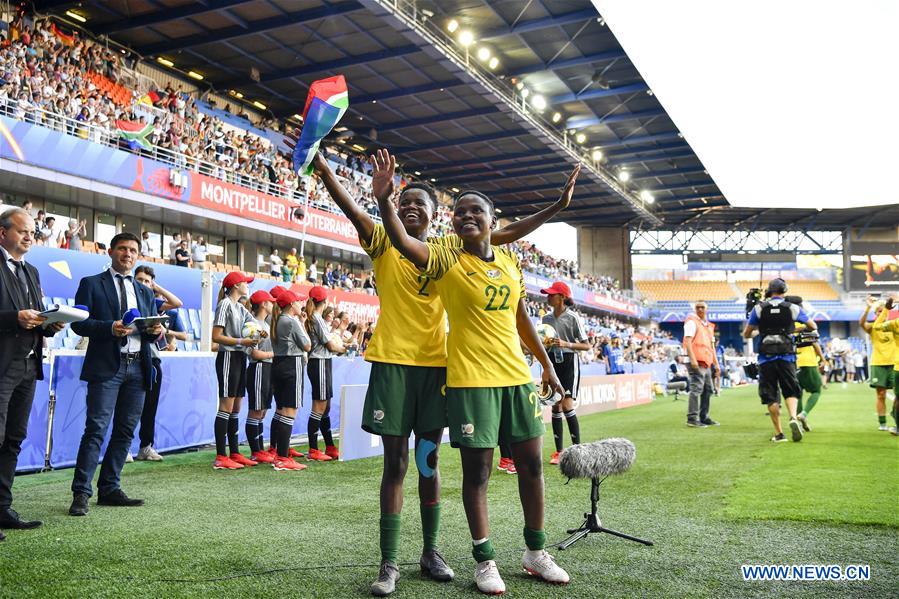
(129, 316)
(598, 459)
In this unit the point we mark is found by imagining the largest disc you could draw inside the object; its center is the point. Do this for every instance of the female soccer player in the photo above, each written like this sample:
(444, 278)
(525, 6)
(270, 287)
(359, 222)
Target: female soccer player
(881, 326)
(490, 391)
(408, 362)
(289, 344)
(231, 368)
(259, 377)
(571, 338)
(319, 369)
(882, 349)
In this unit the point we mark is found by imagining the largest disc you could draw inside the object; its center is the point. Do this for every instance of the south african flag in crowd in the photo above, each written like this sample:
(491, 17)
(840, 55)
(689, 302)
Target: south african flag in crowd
(135, 133)
(325, 105)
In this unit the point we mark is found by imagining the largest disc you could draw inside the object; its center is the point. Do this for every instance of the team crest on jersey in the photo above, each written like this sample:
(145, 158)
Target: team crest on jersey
(468, 430)
(494, 274)
(378, 415)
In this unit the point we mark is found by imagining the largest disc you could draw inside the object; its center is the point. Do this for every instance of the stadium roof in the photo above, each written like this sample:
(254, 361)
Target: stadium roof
(408, 94)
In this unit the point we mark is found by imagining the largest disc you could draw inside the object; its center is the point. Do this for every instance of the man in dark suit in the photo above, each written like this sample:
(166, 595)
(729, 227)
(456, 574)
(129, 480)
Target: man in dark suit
(118, 371)
(21, 350)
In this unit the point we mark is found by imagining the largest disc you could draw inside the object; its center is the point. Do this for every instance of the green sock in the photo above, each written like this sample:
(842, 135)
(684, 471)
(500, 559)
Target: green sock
(799, 406)
(882, 420)
(483, 552)
(390, 536)
(430, 524)
(534, 539)
(812, 400)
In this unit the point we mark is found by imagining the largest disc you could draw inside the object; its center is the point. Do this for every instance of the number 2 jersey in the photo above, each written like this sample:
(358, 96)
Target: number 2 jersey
(411, 328)
(481, 301)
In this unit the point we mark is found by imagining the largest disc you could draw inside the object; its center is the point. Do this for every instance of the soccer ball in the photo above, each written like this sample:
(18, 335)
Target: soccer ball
(546, 333)
(251, 330)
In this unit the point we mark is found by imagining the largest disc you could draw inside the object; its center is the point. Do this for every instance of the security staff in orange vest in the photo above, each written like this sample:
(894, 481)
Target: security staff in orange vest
(699, 343)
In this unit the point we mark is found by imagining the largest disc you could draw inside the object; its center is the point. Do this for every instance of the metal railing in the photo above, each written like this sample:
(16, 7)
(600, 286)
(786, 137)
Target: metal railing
(109, 136)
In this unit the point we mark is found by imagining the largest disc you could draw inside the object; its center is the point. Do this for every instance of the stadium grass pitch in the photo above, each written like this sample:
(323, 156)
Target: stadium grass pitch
(711, 499)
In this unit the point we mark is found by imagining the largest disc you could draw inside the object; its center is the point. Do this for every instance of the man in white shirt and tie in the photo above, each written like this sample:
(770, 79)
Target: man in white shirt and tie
(118, 370)
(22, 333)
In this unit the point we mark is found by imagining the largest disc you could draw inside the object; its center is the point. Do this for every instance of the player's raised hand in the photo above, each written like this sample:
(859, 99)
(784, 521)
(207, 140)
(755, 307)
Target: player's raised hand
(384, 164)
(319, 163)
(568, 190)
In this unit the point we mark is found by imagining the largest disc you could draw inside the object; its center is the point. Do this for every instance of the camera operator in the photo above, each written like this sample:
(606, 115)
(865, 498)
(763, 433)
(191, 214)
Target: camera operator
(775, 320)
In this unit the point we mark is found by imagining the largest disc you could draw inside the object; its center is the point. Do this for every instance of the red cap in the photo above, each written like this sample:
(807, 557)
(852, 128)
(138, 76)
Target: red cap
(233, 278)
(287, 297)
(318, 293)
(557, 288)
(261, 296)
(277, 290)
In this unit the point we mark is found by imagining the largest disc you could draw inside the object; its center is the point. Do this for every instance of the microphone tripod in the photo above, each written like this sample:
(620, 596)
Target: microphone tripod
(593, 524)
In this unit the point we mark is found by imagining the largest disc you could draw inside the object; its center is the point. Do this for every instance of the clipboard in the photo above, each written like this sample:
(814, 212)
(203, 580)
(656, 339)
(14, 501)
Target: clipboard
(62, 313)
(145, 322)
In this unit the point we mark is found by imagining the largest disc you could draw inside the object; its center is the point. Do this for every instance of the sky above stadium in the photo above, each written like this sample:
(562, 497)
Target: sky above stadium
(559, 240)
(787, 104)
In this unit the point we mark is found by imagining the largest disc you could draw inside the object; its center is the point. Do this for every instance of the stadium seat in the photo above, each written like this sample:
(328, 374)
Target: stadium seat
(686, 290)
(806, 289)
(194, 320)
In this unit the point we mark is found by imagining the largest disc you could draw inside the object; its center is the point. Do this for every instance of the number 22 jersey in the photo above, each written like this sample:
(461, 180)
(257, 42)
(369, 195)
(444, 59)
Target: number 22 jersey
(481, 301)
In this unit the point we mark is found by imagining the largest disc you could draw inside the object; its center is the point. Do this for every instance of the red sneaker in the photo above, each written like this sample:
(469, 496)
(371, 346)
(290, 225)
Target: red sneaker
(263, 457)
(503, 464)
(223, 462)
(554, 458)
(331, 451)
(293, 453)
(318, 456)
(242, 459)
(510, 467)
(283, 464)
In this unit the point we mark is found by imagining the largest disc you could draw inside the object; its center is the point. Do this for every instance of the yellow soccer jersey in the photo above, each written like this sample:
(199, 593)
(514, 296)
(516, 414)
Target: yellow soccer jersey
(805, 356)
(883, 345)
(884, 326)
(481, 301)
(411, 328)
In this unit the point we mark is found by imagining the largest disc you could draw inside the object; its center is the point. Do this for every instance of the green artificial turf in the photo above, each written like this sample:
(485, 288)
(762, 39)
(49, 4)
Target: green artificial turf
(711, 499)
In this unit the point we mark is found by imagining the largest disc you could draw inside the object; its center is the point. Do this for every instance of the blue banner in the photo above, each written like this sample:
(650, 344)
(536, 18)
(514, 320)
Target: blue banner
(62, 270)
(189, 400)
(739, 315)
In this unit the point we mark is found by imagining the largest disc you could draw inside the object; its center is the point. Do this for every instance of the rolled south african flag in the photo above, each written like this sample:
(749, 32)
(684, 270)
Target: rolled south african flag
(325, 105)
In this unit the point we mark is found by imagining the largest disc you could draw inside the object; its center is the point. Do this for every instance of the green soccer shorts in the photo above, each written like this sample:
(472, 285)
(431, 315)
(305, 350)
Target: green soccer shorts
(401, 399)
(809, 379)
(479, 416)
(882, 377)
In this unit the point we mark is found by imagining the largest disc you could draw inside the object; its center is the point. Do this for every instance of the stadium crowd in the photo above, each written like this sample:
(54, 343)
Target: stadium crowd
(45, 77)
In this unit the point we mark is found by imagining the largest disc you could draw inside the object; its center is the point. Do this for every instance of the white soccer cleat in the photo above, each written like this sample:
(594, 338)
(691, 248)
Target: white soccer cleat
(544, 567)
(486, 576)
